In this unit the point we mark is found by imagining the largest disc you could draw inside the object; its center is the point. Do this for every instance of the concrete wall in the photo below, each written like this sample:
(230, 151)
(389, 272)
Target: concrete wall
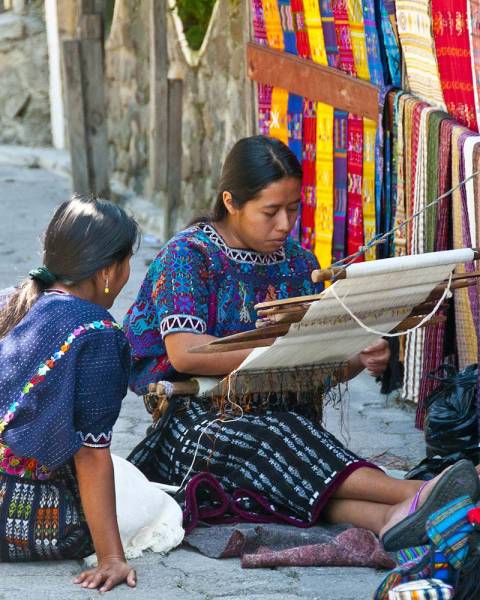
(24, 101)
(214, 99)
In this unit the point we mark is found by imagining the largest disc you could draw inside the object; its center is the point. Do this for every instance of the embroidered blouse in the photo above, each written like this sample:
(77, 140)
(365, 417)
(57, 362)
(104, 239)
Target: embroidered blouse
(63, 374)
(199, 284)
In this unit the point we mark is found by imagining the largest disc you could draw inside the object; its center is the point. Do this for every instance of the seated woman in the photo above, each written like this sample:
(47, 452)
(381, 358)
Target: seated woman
(64, 366)
(276, 461)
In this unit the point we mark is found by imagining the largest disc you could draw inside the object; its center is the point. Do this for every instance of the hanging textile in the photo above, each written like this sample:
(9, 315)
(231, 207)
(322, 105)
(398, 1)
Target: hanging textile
(400, 240)
(390, 44)
(452, 45)
(354, 189)
(368, 184)
(465, 300)
(340, 142)
(357, 33)
(468, 153)
(295, 125)
(273, 26)
(329, 34)
(279, 115)
(313, 24)
(309, 175)
(303, 46)
(414, 28)
(473, 21)
(287, 25)
(344, 40)
(324, 220)
(372, 44)
(259, 31)
(264, 90)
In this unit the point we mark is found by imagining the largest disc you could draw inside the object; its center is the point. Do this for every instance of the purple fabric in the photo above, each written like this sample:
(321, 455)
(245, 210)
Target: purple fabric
(340, 129)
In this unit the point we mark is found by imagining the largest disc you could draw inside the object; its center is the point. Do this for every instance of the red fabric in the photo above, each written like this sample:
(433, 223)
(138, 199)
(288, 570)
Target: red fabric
(452, 45)
(309, 174)
(355, 181)
(303, 45)
(344, 39)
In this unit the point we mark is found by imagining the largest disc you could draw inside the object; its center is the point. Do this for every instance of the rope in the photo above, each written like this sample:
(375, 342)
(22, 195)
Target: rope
(399, 333)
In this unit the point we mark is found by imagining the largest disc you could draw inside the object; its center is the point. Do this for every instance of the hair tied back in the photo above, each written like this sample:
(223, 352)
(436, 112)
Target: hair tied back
(42, 274)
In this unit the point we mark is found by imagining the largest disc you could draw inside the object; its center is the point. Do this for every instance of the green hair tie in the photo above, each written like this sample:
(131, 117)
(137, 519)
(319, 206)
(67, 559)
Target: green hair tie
(42, 274)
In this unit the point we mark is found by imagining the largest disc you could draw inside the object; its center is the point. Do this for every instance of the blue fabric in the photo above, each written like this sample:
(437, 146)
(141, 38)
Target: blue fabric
(198, 284)
(79, 399)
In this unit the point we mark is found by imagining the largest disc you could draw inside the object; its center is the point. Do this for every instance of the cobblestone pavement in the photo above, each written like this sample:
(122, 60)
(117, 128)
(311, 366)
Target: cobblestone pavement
(376, 429)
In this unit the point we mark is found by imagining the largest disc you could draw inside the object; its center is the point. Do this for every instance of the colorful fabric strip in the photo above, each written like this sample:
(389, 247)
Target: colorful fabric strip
(355, 185)
(372, 43)
(259, 31)
(303, 45)
(309, 175)
(288, 27)
(324, 185)
(357, 32)
(390, 43)
(295, 125)
(344, 39)
(278, 115)
(313, 23)
(473, 17)
(452, 44)
(329, 34)
(340, 144)
(273, 25)
(368, 186)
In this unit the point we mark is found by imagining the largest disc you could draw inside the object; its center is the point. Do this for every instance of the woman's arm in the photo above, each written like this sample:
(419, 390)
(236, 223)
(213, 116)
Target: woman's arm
(218, 363)
(374, 358)
(96, 483)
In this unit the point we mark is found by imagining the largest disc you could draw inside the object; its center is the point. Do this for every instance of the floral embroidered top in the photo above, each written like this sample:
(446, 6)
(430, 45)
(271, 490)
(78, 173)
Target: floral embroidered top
(197, 283)
(63, 374)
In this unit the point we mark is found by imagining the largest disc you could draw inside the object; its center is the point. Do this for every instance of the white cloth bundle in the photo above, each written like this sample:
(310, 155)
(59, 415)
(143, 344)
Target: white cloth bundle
(148, 518)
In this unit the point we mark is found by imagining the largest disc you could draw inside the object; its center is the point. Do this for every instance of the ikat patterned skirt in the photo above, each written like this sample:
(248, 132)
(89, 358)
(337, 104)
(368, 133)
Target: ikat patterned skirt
(42, 519)
(278, 466)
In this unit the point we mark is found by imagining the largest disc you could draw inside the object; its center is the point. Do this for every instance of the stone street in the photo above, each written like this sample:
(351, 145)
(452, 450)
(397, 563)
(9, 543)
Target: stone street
(369, 424)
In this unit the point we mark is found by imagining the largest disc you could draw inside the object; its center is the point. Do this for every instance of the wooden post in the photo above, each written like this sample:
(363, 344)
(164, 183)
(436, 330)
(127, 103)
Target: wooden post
(159, 93)
(250, 95)
(174, 152)
(85, 103)
(55, 74)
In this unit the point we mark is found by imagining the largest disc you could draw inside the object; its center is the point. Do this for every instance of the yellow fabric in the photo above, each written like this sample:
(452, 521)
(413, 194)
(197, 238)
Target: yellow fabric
(313, 22)
(359, 45)
(279, 115)
(325, 185)
(273, 24)
(368, 190)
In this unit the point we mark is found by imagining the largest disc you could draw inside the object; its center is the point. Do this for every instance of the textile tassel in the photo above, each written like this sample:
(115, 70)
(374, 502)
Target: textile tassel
(354, 193)
(324, 185)
(309, 175)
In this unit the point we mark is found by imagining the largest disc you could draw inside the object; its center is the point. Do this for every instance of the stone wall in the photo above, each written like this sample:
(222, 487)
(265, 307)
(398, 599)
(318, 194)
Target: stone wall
(214, 99)
(24, 101)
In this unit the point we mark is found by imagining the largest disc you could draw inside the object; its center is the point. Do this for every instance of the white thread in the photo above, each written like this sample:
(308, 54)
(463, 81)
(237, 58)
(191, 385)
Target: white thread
(399, 333)
(216, 420)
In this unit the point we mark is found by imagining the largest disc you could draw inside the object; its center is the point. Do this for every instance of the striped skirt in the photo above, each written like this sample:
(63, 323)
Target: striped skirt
(277, 466)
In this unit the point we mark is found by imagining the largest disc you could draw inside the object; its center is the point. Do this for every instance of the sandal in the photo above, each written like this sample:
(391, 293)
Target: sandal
(456, 481)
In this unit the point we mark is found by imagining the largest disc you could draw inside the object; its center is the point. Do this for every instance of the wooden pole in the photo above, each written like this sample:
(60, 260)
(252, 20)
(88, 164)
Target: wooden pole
(250, 95)
(159, 93)
(174, 153)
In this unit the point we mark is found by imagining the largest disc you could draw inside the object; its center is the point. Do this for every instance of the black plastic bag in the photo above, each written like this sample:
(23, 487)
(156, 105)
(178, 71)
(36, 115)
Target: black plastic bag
(451, 422)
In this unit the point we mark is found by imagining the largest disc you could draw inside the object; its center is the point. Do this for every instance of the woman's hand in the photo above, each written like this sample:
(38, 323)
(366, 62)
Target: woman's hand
(109, 573)
(375, 358)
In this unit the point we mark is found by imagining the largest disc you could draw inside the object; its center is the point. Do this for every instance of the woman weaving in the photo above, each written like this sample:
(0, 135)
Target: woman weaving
(276, 462)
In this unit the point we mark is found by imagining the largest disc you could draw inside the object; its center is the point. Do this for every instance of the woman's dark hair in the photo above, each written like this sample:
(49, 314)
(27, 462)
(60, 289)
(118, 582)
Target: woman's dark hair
(85, 235)
(251, 165)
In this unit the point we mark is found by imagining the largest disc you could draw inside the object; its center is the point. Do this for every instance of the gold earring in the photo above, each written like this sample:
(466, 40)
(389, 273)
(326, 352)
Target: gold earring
(107, 289)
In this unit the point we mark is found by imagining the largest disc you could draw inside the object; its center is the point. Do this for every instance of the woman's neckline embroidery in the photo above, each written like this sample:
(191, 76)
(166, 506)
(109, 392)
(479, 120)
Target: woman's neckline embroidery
(238, 254)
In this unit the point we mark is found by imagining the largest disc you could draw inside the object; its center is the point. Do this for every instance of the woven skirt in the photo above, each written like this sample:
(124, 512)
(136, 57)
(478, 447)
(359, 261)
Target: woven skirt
(42, 519)
(273, 467)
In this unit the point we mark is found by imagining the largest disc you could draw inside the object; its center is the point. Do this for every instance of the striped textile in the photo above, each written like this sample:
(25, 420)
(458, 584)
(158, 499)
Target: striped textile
(344, 39)
(391, 45)
(372, 43)
(295, 124)
(279, 115)
(414, 28)
(273, 26)
(465, 299)
(324, 223)
(329, 34)
(258, 19)
(309, 175)
(452, 45)
(303, 45)
(313, 23)
(400, 240)
(340, 143)
(368, 184)
(355, 185)
(288, 26)
(359, 45)
(264, 91)
(473, 17)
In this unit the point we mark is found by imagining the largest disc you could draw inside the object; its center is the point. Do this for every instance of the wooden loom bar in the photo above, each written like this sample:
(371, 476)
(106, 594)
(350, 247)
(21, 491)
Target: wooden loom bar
(314, 81)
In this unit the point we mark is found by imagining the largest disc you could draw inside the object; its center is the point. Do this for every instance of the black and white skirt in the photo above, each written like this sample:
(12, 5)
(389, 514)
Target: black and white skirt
(277, 466)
